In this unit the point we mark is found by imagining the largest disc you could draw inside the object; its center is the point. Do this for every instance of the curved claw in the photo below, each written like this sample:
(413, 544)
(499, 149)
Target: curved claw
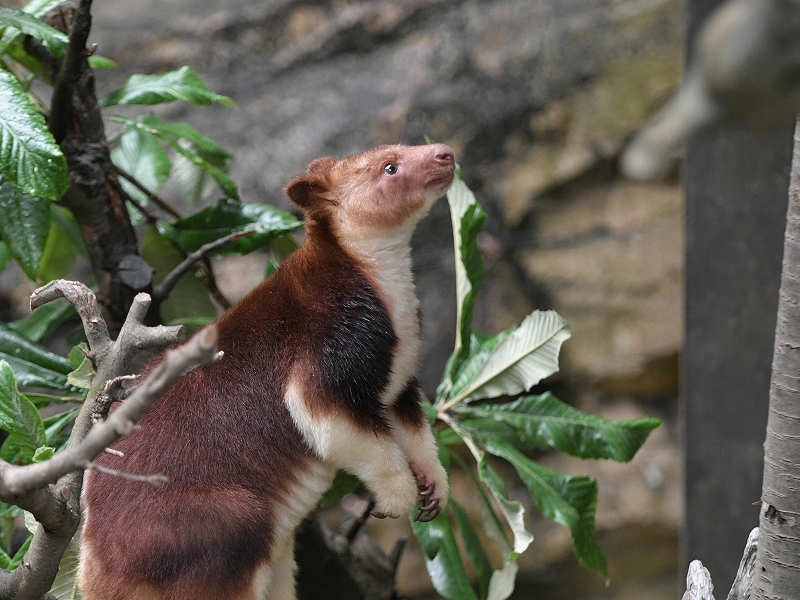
(429, 506)
(427, 515)
(426, 491)
(378, 515)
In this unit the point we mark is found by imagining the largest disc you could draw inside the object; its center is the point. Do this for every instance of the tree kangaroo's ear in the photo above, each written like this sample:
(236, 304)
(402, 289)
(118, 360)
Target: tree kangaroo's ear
(309, 189)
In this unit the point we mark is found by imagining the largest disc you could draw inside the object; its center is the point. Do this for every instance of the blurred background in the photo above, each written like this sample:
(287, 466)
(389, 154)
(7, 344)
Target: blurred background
(537, 98)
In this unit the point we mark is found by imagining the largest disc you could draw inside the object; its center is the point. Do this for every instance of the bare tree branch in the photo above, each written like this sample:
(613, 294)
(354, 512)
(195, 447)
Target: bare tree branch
(155, 198)
(85, 303)
(163, 289)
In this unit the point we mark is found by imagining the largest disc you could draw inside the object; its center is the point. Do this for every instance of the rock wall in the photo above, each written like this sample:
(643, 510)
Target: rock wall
(537, 98)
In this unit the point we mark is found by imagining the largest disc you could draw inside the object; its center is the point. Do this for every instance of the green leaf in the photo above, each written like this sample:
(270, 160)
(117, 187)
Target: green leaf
(230, 216)
(6, 532)
(101, 62)
(442, 558)
(57, 428)
(18, 416)
(467, 219)
(40, 7)
(546, 421)
(83, 376)
(5, 255)
(42, 454)
(18, 346)
(52, 39)
(176, 135)
(343, 484)
(181, 84)
(473, 547)
(140, 154)
(501, 585)
(10, 511)
(512, 511)
(29, 157)
(569, 500)
(176, 132)
(65, 586)
(195, 181)
(189, 298)
(33, 364)
(36, 8)
(520, 359)
(25, 225)
(60, 251)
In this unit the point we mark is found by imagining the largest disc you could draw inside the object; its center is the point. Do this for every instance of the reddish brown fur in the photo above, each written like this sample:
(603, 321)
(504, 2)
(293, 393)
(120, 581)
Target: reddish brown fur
(223, 436)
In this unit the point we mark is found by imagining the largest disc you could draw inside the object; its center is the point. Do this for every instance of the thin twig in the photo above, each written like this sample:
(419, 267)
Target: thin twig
(149, 216)
(162, 290)
(210, 281)
(152, 196)
(154, 480)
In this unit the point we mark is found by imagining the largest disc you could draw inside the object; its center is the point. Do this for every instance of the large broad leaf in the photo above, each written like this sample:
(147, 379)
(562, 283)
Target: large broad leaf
(65, 585)
(29, 156)
(473, 547)
(140, 154)
(181, 84)
(467, 219)
(230, 216)
(442, 558)
(512, 511)
(176, 131)
(545, 421)
(195, 182)
(188, 298)
(569, 500)
(14, 344)
(175, 135)
(24, 225)
(512, 362)
(52, 39)
(33, 365)
(60, 251)
(36, 8)
(40, 7)
(18, 415)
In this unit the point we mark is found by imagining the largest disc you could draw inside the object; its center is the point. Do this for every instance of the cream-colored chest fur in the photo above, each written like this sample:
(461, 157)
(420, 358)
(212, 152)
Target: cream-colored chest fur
(388, 263)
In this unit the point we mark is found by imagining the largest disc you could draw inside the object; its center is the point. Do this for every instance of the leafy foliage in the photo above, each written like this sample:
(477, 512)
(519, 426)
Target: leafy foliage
(481, 373)
(471, 403)
(29, 157)
(181, 84)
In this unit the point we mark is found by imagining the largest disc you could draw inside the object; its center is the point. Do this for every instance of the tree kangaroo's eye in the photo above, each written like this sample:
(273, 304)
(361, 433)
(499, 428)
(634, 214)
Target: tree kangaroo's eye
(390, 169)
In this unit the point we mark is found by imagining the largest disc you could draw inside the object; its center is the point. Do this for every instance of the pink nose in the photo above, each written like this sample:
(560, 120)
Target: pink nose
(443, 154)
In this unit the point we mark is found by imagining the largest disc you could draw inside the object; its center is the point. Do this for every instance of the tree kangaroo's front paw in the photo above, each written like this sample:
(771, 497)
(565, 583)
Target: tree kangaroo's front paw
(432, 491)
(395, 499)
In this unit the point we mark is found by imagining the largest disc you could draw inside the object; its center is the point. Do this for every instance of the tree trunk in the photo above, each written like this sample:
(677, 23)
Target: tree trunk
(778, 559)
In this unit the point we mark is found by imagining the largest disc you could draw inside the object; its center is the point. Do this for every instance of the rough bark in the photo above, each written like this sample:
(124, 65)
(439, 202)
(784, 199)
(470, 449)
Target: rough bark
(94, 197)
(778, 559)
